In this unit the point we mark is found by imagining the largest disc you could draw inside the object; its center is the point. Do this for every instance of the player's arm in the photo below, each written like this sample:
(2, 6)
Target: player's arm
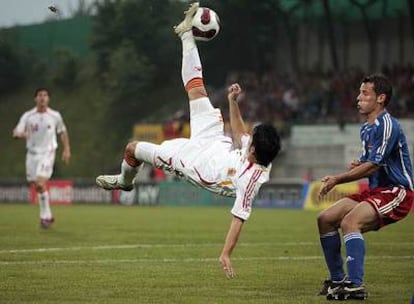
(361, 171)
(358, 172)
(353, 164)
(16, 134)
(231, 241)
(20, 130)
(238, 127)
(384, 141)
(246, 189)
(64, 137)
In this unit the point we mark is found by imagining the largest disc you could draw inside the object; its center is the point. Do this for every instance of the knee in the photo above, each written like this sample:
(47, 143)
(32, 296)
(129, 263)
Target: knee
(325, 217)
(40, 186)
(130, 149)
(327, 221)
(197, 92)
(348, 224)
(129, 155)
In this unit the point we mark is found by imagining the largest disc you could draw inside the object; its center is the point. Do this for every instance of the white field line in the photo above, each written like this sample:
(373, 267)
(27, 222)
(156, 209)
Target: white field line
(190, 245)
(189, 260)
(145, 246)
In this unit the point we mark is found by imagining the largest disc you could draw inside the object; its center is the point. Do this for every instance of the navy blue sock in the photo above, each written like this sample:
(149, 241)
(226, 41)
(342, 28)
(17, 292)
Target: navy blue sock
(355, 254)
(331, 245)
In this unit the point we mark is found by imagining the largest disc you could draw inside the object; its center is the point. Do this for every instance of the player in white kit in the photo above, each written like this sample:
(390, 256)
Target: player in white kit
(209, 159)
(39, 127)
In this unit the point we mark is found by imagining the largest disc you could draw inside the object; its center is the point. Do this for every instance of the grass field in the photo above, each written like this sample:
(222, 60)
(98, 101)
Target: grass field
(110, 254)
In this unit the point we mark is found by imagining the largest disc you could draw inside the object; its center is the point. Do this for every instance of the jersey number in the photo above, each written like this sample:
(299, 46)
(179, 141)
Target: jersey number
(34, 127)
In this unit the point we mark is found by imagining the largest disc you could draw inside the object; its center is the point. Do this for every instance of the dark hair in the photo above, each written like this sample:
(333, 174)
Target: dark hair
(38, 90)
(381, 86)
(266, 143)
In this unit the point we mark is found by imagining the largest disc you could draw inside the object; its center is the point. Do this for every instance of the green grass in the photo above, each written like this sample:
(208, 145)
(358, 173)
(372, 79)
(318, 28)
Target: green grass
(278, 259)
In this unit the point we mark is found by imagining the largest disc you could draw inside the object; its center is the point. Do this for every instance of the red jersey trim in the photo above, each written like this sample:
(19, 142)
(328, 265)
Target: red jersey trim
(250, 187)
(247, 168)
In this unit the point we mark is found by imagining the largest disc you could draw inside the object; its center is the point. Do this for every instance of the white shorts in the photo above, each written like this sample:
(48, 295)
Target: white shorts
(39, 165)
(206, 143)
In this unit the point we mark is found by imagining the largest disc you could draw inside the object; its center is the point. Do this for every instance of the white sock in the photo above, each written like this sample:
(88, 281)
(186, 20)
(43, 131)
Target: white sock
(127, 173)
(145, 152)
(45, 212)
(188, 41)
(191, 65)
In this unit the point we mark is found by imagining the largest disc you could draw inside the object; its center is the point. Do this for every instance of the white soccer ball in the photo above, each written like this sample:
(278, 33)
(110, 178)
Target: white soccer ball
(206, 24)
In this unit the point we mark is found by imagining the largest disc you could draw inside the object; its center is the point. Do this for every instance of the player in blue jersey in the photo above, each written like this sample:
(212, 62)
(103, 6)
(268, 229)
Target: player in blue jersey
(386, 162)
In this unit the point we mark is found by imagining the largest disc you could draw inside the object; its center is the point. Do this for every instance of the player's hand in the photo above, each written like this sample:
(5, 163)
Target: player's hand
(226, 265)
(328, 182)
(66, 156)
(19, 134)
(234, 91)
(355, 163)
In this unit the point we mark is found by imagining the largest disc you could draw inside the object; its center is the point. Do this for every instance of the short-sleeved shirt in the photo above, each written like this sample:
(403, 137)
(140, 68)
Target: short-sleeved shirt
(209, 160)
(41, 129)
(217, 167)
(384, 144)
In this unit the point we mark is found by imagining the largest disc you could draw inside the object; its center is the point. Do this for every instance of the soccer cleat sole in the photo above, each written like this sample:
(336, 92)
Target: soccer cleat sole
(101, 182)
(186, 24)
(343, 296)
(330, 287)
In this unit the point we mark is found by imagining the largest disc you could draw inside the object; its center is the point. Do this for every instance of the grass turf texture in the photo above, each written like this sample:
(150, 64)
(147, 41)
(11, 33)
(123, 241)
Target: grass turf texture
(111, 254)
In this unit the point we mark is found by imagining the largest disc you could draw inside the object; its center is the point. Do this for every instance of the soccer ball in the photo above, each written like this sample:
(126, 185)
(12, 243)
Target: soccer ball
(206, 24)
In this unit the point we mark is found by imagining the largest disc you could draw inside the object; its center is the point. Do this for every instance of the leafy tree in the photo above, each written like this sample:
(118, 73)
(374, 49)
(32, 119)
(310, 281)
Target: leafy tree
(12, 67)
(65, 68)
(136, 51)
(248, 38)
(82, 9)
(129, 79)
(146, 24)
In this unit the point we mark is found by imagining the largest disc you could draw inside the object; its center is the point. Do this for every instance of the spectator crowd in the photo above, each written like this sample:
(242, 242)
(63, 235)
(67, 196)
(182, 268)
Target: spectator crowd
(311, 97)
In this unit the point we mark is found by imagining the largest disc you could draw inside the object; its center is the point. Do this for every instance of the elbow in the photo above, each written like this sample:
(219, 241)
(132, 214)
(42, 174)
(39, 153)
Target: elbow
(372, 168)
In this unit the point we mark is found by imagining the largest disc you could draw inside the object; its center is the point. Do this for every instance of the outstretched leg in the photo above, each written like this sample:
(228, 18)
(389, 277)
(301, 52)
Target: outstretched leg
(191, 69)
(136, 153)
(204, 118)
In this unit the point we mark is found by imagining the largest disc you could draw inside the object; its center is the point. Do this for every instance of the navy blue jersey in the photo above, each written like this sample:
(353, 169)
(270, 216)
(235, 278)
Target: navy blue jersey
(384, 144)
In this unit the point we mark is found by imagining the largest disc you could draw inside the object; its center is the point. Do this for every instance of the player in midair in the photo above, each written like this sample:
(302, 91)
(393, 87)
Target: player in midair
(385, 160)
(208, 159)
(39, 127)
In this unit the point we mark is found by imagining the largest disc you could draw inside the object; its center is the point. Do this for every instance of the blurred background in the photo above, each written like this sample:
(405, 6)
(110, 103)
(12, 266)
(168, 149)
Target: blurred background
(113, 69)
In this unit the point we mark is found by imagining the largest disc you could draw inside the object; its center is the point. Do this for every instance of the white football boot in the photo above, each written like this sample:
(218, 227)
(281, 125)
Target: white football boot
(110, 182)
(187, 23)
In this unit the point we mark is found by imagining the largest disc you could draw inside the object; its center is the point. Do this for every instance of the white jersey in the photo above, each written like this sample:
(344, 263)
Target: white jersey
(226, 171)
(41, 129)
(208, 159)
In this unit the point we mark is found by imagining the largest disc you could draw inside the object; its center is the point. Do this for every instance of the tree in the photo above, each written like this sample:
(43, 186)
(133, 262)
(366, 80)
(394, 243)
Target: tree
(12, 67)
(65, 68)
(129, 79)
(370, 30)
(331, 36)
(82, 9)
(145, 24)
(248, 38)
(136, 52)
(411, 9)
